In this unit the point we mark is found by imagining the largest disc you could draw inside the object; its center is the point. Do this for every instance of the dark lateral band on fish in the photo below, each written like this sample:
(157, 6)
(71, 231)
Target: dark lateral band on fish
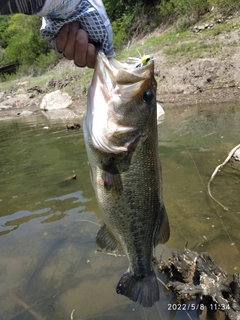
(120, 132)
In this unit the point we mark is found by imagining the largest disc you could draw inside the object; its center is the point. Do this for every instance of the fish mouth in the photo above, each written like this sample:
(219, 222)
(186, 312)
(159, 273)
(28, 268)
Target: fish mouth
(113, 78)
(116, 112)
(116, 73)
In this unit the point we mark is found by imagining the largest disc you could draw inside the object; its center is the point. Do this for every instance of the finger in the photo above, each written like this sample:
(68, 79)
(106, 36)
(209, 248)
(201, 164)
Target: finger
(91, 55)
(81, 48)
(70, 45)
(62, 38)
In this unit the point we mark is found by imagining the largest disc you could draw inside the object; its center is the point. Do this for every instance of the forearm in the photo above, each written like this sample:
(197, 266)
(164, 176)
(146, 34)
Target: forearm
(90, 14)
(93, 20)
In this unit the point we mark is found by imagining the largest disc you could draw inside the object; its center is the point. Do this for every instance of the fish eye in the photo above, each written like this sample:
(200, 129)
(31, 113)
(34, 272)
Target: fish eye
(148, 96)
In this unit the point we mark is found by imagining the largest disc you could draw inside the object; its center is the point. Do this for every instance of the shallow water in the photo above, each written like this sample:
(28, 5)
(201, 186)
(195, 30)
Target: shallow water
(48, 222)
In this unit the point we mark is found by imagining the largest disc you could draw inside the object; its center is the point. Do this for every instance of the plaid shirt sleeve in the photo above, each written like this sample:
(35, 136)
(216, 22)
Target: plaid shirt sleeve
(91, 15)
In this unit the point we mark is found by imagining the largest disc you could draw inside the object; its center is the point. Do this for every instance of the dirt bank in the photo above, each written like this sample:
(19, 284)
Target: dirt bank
(191, 68)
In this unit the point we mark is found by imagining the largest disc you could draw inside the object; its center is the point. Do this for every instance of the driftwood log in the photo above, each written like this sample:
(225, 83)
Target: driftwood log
(196, 276)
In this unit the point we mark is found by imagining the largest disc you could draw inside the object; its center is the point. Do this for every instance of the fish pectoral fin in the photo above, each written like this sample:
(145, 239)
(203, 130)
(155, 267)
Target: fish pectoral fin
(106, 240)
(111, 176)
(112, 181)
(163, 233)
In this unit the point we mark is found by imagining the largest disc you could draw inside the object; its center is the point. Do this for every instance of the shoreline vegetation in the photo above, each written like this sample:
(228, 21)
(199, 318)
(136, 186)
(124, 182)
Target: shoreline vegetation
(195, 44)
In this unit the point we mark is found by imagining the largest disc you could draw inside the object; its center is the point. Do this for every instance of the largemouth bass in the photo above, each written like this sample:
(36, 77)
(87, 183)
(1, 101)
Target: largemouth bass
(120, 132)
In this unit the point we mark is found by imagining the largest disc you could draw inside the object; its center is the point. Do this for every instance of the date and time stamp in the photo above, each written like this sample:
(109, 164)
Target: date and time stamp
(193, 307)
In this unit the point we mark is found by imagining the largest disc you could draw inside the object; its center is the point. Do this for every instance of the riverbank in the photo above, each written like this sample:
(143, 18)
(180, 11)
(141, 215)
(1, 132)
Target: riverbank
(198, 65)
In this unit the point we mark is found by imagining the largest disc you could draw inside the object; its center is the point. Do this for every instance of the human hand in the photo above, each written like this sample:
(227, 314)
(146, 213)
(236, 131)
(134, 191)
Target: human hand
(73, 43)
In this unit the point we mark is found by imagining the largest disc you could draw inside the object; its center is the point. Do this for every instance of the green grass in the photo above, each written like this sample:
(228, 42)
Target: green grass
(194, 50)
(156, 43)
(184, 43)
(178, 45)
(81, 84)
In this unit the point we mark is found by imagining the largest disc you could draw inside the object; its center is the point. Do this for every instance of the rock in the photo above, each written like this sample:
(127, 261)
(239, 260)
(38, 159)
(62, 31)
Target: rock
(26, 113)
(38, 89)
(4, 107)
(237, 155)
(17, 101)
(63, 114)
(21, 86)
(160, 110)
(55, 100)
(73, 126)
(160, 113)
(1, 96)
(205, 26)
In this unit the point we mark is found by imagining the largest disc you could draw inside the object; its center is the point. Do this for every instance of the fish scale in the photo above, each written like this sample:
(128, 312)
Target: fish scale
(120, 132)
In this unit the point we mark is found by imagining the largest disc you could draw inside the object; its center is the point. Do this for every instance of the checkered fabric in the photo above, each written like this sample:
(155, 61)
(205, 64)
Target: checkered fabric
(96, 24)
(90, 14)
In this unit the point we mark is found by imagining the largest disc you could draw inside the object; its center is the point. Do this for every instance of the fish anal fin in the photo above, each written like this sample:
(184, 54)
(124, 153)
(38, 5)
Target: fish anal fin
(106, 240)
(163, 232)
(143, 290)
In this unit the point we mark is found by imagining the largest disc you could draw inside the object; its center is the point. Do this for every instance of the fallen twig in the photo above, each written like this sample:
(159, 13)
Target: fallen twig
(216, 171)
(111, 254)
(85, 220)
(72, 313)
(166, 287)
(28, 308)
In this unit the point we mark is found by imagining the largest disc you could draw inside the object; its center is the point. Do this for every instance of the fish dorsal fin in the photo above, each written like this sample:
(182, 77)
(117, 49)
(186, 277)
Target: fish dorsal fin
(163, 232)
(106, 240)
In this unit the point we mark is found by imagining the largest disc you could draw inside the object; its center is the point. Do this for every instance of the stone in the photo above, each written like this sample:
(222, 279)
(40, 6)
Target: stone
(21, 86)
(237, 155)
(4, 107)
(26, 113)
(18, 100)
(63, 114)
(1, 95)
(160, 111)
(55, 100)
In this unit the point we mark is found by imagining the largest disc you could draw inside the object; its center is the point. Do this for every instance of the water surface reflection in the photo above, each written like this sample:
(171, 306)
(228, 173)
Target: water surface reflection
(48, 222)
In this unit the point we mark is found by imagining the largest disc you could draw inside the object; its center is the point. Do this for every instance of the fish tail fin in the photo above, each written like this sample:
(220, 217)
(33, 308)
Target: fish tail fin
(144, 290)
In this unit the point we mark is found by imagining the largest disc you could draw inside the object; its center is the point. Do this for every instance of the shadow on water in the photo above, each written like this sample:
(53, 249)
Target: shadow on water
(48, 260)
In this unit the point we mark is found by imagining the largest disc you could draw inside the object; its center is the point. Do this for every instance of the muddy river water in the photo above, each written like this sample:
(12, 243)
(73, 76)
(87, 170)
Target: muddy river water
(49, 263)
